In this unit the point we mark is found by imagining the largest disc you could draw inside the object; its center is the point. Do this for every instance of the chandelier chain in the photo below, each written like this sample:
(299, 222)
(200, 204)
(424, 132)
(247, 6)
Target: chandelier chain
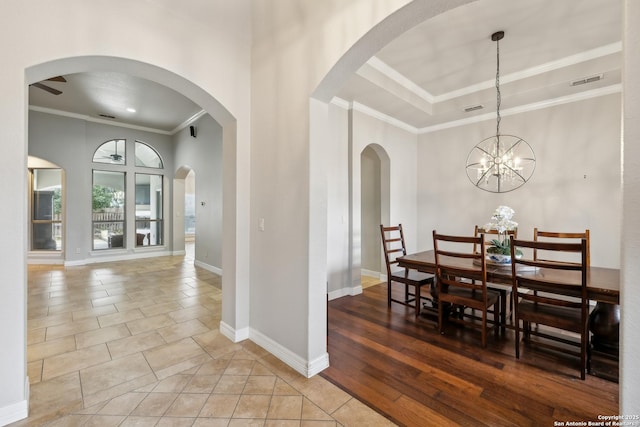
(498, 95)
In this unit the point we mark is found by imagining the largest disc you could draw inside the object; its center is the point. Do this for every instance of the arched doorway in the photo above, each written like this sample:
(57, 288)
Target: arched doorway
(374, 207)
(235, 313)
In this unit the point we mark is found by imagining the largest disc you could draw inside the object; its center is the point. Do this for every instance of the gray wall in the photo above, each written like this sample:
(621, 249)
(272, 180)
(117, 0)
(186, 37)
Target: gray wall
(70, 143)
(203, 155)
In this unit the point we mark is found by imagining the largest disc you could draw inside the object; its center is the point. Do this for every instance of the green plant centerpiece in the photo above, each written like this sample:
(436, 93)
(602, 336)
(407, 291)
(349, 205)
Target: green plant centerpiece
(499, 250)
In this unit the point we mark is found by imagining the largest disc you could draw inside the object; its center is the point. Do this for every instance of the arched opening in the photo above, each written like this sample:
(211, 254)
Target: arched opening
(228, 323)
(46, 207)
(374, 202)
(184, 208)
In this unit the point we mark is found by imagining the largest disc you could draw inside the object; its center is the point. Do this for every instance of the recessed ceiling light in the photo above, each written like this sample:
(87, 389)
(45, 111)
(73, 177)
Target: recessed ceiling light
(131, 110)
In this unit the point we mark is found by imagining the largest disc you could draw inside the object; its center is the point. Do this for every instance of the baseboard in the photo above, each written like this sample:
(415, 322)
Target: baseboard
(179, 253)
(370, 273)
(117, 255)
(208, 267)
(356, 290)
(232, 334)
(12, 413)
(307, 369)
(300, 365)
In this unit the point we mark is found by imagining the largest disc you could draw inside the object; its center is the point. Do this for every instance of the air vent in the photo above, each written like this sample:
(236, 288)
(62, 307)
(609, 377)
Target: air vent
(473, 108)
(107, 116)
(586, 80)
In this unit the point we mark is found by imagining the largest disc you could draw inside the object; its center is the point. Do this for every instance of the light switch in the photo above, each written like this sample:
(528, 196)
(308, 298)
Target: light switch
(261, 224)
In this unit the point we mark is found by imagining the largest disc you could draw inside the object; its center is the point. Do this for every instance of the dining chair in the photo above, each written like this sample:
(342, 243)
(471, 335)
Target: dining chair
(461, 278)
(562, 303)
(559, 236)
(539, 235)
(393, 244)
(491, 234)
(504, 290)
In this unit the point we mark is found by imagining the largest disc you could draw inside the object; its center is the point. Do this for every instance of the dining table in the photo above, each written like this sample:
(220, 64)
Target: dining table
(603, 287)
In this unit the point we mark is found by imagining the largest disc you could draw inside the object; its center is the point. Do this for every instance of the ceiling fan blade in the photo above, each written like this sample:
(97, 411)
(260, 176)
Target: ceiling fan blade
(47, 88)
(57, 79)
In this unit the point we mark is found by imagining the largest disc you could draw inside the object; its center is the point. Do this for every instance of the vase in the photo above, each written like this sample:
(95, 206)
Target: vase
(499, 258)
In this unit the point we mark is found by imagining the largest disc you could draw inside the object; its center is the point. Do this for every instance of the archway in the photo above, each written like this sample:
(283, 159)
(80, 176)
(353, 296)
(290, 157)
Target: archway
(374, 207)
(232, 310)
(354, 57)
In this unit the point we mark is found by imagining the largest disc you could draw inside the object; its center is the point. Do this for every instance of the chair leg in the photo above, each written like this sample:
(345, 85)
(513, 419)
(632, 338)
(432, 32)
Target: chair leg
(440, 317)
(517, 330)
(499, 317)
(484, 328)
(417, 296)
(389, 293)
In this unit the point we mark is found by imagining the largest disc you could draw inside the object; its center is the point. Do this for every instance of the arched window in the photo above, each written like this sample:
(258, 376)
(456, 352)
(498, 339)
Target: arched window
(112, 152)
(147, 157)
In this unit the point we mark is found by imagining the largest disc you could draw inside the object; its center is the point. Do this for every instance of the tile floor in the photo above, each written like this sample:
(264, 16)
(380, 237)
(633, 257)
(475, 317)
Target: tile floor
(137, 343)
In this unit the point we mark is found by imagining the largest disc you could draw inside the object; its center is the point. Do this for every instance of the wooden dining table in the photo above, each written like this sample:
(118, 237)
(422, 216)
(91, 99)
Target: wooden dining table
(603, 286)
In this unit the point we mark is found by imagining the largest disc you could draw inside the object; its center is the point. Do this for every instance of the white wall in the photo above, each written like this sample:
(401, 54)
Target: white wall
(630, 296)
(575, 186)
(201, 50)
(295, 43)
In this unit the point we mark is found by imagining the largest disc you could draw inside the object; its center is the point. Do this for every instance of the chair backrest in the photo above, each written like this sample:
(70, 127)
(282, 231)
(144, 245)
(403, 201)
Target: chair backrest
(539, 236)
(393, 245)
(560, 278)
(491, 234)
(458, 263)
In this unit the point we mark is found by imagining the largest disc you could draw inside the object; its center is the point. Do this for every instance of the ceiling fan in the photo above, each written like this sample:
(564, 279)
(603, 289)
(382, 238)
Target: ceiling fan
(49, 88)
(115, 157)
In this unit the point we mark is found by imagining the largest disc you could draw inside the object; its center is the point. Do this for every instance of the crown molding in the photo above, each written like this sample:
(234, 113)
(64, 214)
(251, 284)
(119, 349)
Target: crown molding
(594, 93)
(395, 76)
(117, 123)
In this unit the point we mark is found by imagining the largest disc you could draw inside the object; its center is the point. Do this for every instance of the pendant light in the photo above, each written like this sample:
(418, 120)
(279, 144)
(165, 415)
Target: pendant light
(500, 163)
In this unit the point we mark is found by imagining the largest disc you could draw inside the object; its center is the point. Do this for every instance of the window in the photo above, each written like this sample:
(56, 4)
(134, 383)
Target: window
(147, 157)
(108, 208)
(46, 212)
(112, 152)
(149, 210)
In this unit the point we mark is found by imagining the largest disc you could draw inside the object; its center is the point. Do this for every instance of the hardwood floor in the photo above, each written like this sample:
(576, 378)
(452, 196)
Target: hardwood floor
(407, 371)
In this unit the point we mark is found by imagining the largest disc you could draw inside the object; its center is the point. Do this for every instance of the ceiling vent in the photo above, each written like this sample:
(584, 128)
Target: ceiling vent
(107, 116)
(586, 80)
(473, 108)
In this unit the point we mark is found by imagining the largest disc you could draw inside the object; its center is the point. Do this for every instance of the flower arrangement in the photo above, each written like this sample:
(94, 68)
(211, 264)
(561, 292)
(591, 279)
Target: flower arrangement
(501, 221)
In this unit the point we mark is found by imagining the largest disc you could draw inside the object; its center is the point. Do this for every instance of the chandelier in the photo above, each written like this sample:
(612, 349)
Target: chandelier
(500, 163)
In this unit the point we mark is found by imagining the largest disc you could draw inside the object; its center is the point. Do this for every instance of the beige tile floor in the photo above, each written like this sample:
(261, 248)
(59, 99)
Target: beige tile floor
(137, 343)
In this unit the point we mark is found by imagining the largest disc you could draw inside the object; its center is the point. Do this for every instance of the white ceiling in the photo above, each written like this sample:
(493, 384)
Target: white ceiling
(423, 79)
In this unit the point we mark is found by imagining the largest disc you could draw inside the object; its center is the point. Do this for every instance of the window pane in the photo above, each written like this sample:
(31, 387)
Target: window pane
(46, 230)
(147, 156)
(108, 206)
(112, 152)
(149, 210)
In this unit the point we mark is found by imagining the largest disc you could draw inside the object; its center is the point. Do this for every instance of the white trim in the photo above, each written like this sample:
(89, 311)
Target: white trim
(187, 122)
(339, 102)
(208, 267)
(343, 292)
(179, 253)
(300, 365)
(383, 117)
(232, 334)
(391, 73)
(371, 273)
(117, 255)
(95, 119)
(48, 258)
(14, 412)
